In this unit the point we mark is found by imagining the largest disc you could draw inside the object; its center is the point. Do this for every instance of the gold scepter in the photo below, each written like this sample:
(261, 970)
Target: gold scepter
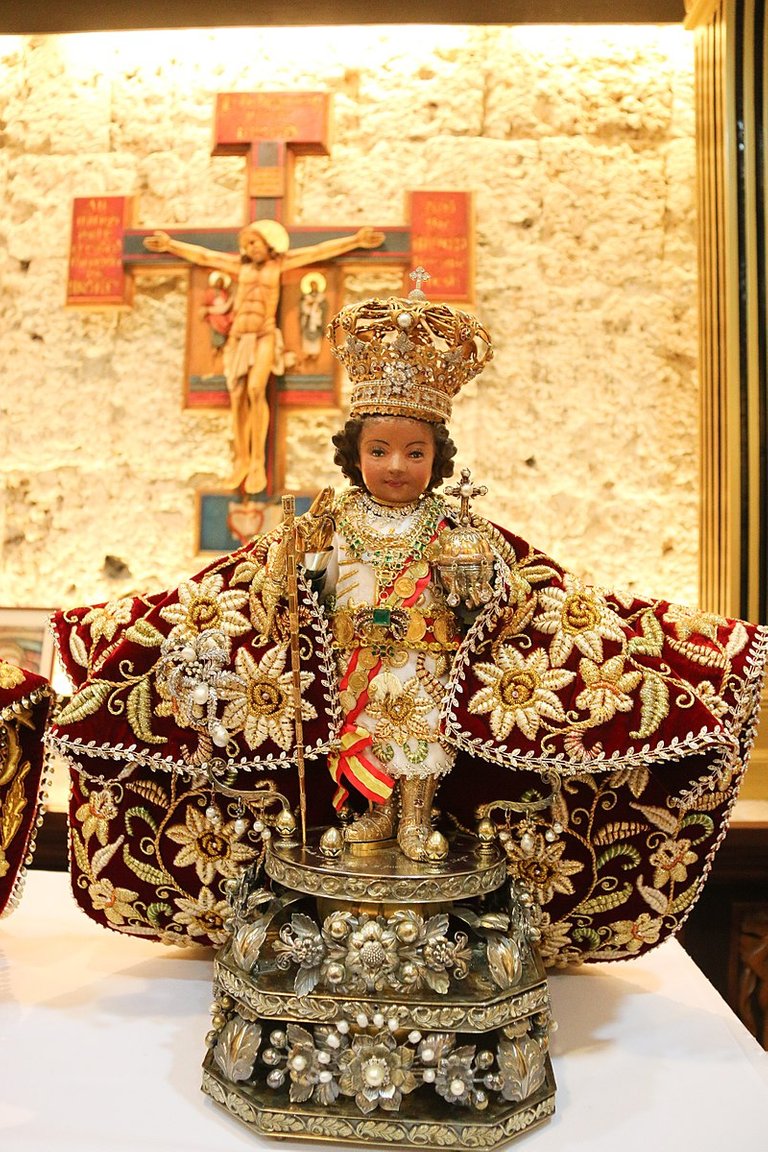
(289, 518)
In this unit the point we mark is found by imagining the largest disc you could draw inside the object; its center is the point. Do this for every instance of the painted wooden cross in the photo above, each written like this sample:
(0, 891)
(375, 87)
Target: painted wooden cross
(270, 130)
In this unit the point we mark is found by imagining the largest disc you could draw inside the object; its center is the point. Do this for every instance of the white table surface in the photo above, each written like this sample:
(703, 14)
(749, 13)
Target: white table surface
(102, 1038)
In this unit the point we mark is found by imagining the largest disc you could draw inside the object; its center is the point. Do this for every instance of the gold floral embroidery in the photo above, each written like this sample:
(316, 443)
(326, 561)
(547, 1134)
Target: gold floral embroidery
(520, 691)
(95, 815)
(671, 861)
(633, 935)
(401, 712)
(204, 606)
(260, 698)
(115, 903)
(693, 622)
(104, 620)
(607, 688)
(204, 916)
(543, 869)
(212, 847)
(576, 616)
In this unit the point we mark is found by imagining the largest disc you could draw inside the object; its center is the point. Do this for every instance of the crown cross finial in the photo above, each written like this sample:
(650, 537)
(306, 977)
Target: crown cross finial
(419, 277)
(466, 490)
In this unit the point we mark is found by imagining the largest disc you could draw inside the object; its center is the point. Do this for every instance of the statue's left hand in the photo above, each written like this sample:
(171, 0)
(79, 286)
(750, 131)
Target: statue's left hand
(369, 238)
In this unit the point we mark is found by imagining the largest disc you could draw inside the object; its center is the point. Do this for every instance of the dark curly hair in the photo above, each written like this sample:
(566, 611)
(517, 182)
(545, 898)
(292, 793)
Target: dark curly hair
(347, 454)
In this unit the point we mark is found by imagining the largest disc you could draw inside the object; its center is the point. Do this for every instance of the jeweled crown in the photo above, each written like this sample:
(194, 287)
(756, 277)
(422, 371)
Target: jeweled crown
(406, 356)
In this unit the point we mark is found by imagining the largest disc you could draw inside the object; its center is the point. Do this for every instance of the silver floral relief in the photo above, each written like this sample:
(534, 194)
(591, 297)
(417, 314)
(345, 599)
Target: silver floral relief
(360, 953)
(376, 1065)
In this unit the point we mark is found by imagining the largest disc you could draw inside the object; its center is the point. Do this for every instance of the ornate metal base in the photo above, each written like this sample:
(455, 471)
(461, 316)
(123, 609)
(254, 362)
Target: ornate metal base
(343, 1124)
(374, 1000)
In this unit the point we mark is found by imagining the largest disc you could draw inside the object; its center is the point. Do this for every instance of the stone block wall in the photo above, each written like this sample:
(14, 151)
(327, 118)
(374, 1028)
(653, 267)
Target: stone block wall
(578, 145)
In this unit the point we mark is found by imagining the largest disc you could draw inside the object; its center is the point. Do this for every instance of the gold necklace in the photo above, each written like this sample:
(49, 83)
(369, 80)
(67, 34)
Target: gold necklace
(387, 552)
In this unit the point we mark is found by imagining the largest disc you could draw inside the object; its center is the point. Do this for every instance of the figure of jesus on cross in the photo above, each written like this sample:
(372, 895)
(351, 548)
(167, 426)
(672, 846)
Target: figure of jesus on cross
(250, 349)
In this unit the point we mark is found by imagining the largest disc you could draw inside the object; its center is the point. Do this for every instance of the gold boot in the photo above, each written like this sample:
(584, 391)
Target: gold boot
(378, 823)
(415, 836)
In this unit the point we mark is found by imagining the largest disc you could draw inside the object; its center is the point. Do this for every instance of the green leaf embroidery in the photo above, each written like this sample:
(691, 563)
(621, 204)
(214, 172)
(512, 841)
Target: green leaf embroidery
(155, 912)
(654, 697)
(651, 643)
(79, 852)
(605, 902)
(144, 871)
(144, 633)
(617, 850)
(85, 702)
(139, 711)
(139, 814)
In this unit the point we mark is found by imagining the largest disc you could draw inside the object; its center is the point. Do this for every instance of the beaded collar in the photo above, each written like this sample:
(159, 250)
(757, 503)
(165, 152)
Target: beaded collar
(388, 551)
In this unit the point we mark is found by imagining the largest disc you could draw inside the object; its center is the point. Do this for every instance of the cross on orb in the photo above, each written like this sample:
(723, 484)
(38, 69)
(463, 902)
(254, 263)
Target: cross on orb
(466, 491)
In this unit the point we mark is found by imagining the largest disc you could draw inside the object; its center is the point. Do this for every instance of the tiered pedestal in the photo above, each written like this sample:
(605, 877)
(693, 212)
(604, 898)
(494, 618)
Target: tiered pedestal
(372, 1000)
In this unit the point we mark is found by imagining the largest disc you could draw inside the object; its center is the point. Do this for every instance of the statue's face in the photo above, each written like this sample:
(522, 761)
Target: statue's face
(396, 458)
(253, 245)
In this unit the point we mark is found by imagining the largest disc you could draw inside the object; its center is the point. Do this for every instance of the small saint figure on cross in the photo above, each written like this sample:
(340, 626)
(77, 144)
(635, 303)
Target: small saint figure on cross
(250, 348)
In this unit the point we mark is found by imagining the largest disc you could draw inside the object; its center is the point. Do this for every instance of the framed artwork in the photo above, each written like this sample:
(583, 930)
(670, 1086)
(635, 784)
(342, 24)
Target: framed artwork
(26, 640)
(225, 521)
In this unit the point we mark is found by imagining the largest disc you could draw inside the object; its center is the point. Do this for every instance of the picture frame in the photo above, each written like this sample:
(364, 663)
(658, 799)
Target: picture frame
(26, 639)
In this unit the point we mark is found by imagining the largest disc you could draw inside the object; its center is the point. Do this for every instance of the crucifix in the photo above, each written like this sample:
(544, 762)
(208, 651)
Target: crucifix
(251, 341)
(268, 277)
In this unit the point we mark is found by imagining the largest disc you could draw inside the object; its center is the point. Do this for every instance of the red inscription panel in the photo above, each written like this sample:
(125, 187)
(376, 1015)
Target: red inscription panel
(96, 275)
(297, 118)
(442, 242)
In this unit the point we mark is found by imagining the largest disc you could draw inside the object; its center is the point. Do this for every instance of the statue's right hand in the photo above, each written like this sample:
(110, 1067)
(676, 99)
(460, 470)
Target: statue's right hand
(157, 242)
(316, 527)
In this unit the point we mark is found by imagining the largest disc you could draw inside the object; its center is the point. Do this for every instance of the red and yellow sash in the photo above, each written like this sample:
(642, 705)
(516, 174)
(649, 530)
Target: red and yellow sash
(353, 764)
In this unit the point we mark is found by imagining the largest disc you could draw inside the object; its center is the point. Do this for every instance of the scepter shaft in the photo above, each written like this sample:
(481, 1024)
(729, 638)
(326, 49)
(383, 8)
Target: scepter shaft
(289, 519)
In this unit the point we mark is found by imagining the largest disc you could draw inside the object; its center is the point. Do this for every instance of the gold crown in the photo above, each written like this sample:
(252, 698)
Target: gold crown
(407, 357)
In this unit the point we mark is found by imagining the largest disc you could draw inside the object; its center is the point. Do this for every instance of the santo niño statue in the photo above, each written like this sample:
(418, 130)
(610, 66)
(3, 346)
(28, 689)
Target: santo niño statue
(445, 663)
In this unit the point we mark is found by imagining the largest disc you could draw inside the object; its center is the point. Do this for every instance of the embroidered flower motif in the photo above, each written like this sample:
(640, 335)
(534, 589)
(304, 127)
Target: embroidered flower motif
(115, 903)
(377, 1072)
(95, 815)
(372, 953)
(607, 688)
(576, 617)
(10, 675)
(541, 867)
(261, 698)
(211, 847)
(204, 916)
(203, 607)
(693, 622)
(106, 619)
(636, 934)
(401, 714)
(671, 860)
(519, 691)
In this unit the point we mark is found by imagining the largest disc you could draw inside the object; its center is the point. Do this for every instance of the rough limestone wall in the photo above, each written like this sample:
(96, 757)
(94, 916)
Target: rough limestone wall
(579, 147)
